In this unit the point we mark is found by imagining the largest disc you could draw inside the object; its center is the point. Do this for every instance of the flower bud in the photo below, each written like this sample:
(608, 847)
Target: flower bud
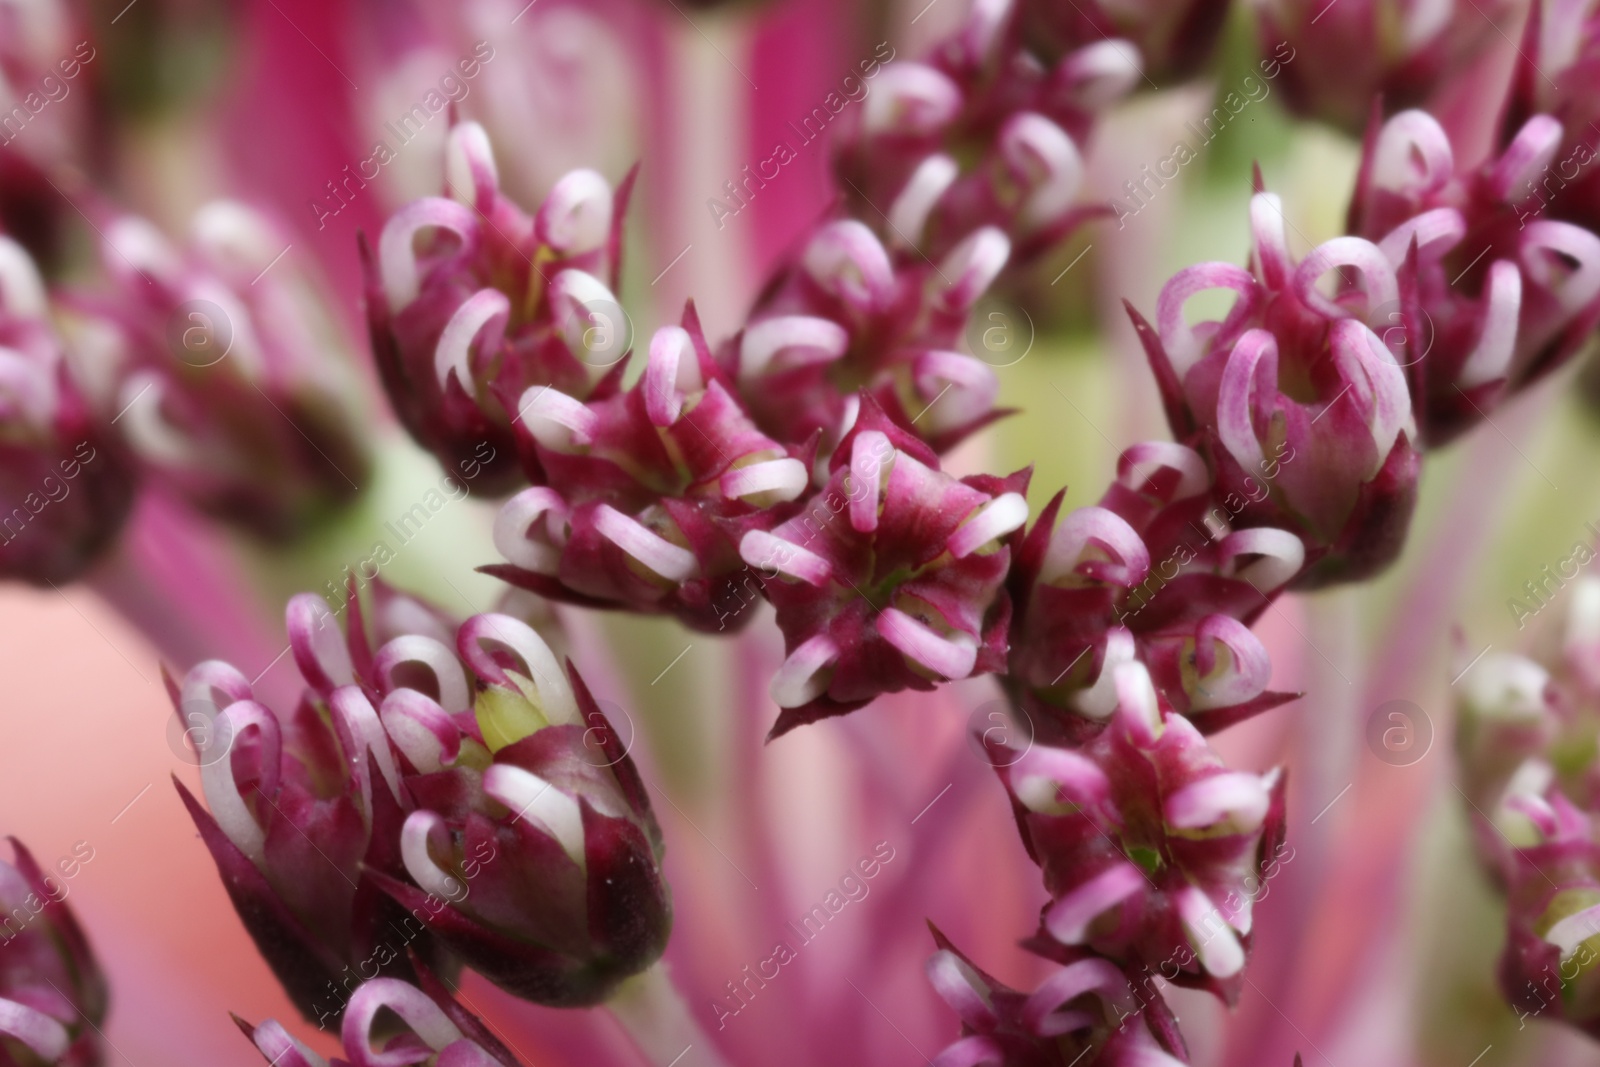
(536, 852)
(52, 994)
(1088, 1011)
(994, 103)
(305, 810)
(1496, 287)
(224, 390)
(889, 578)
(881, 303)
(648, 492)
(1334, 61)
(1302, 410)
(65, 485)
(1152, 850)
(471, 303)
(438, 1032)
(1153, 573)
(853, 311)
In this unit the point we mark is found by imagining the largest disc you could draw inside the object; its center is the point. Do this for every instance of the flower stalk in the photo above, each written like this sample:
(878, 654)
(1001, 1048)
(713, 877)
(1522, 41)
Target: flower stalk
(657, 1018)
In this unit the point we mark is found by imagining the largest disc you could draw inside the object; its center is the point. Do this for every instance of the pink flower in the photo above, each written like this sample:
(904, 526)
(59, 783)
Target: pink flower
(52, 994)
(890, 577)
(471, 302)
(65, 484)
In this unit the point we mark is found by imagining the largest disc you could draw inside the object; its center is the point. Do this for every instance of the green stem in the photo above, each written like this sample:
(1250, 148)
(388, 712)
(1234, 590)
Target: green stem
(658, 1019)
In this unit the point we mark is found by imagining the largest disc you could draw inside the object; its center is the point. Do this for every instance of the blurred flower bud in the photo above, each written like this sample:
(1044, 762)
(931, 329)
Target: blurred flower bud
(224, 388)
(52, 994)
(65, 487)
(1525, 743)
(1337, 59)
(52, 121)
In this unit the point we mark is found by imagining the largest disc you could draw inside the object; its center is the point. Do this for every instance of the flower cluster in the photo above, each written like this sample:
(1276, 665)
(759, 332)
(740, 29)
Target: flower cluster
(890, 577)
(1300, 416)
(646, 493)
(446, 794)
(1299, 407)
(1491, 291)
(796, 460)
(1156, 572)
(441, 794)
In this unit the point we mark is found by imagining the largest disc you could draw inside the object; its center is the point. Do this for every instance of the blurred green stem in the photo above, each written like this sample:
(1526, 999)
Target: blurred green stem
(658, 1019)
